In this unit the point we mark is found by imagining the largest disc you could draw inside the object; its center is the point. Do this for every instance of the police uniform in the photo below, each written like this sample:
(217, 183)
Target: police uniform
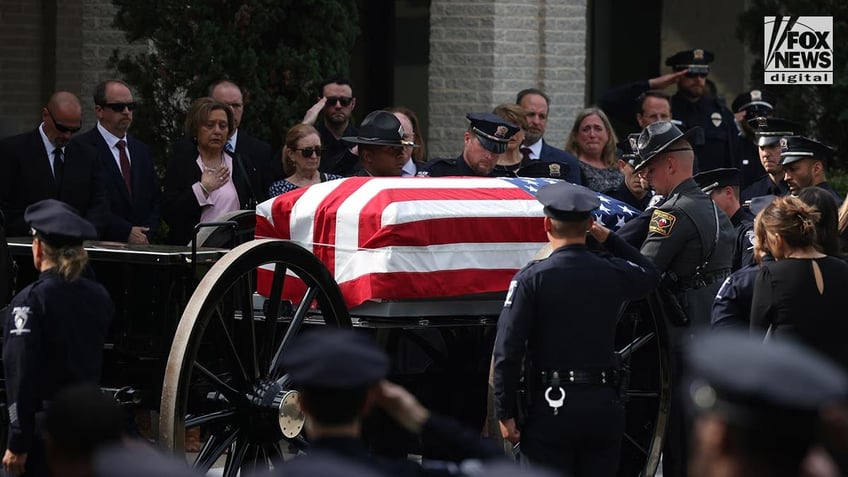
(742, 220)
(53, 333)
(326, 361)
(796, 148)
(535, 168)
(626, 151)
(707, 112)
(577, 426)
(691, 242)
(754, 103)
(767, 132)
(493, 133)
(764, 399)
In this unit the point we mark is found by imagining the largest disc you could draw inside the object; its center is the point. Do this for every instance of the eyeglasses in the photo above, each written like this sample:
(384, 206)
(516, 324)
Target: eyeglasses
(61, 127)
(344, 101)
(119, 107)
(307, 151)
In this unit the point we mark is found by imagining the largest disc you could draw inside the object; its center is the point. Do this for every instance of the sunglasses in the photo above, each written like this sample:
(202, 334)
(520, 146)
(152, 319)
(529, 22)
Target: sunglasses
(344, 101)
(119, 107)
(307, 151)
(61, 127)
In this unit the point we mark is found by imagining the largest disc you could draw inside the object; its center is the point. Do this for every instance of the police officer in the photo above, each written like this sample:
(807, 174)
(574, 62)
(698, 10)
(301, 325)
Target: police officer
(722, 186)
(757, 404)
(749, 105)
(575, 420)
(54, 330)
(633, 190)
(486, 138)
(767, 134)
(340, 376)
(804, 162)
(694, 106)
(690, 240)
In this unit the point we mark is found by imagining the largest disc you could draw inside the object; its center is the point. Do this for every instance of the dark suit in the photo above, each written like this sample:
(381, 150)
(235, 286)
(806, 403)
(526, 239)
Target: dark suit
(142, 209)
(553, 154)
(27, 179)
(179, 204)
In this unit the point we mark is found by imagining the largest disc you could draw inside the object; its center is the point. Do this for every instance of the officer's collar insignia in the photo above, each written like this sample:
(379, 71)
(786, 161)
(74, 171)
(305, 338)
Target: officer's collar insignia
(501, 131)
(698, 54)
(554, 170)
(662, 222)
(756, 95)
(716, 119)
(512, 286)
(20, 317)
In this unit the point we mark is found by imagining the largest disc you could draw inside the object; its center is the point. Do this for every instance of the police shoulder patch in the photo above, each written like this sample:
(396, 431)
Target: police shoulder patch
(661, 222)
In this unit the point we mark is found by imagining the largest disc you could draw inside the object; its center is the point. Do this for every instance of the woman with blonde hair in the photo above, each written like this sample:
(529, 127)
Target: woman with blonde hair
(301, 158)
(800, 294)
(593, 141)
(510, 161)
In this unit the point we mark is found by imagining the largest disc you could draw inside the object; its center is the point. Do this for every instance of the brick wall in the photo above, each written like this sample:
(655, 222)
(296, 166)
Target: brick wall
(20, 63)
(482, 52)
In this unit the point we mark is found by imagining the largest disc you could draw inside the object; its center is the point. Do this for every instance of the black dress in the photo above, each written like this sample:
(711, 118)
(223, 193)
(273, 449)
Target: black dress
(787, 299)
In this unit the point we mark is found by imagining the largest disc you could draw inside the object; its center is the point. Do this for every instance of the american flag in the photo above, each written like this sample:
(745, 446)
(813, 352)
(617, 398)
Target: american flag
(417, 237)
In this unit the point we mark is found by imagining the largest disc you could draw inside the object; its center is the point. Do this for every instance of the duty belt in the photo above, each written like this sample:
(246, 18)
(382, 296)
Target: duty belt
(702, 281)
(553, 382)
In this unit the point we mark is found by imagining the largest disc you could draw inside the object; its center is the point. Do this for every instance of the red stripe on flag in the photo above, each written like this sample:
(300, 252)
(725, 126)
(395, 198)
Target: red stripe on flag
(459, 230)
(324, 223)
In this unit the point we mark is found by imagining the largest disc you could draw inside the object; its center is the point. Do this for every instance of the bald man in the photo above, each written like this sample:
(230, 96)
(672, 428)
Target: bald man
(45, 164)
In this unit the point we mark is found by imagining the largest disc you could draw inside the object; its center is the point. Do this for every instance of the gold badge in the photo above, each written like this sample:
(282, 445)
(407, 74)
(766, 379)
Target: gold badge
(698, 54)
(501, 131)
(661, 222)
(553, 170)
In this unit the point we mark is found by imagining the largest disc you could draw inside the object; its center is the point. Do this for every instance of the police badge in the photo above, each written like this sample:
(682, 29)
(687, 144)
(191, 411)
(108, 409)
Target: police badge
(554, 170)
(716, 119)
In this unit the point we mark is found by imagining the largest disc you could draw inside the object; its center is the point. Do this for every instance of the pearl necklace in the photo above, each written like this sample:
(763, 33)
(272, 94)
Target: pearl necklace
(214, 169)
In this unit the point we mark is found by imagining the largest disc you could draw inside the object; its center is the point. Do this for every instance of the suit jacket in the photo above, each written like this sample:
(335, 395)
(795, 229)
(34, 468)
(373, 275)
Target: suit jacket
(179, 205)
(142, 209)
(269, 168)
(550, 153)
(26, 178)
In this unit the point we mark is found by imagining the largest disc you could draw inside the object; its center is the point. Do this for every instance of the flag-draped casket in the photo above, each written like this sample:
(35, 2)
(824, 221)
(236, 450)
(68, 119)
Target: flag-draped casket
(414, 238)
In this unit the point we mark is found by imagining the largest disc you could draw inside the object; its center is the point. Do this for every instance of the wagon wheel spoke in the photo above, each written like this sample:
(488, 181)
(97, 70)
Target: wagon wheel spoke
(231, 346)
(231, 394)
(272, 313)
(214, 447)
(635, 444)
(244, 292)
(636, 345)
(237, 453)
(212, 418)
(294, 327)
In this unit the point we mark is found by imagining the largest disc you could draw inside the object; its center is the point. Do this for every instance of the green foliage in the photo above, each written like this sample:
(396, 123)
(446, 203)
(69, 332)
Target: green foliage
(276, 50)
(822, 109)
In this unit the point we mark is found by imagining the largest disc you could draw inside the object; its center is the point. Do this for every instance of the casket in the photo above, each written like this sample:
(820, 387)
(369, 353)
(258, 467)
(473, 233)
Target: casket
(415, 237)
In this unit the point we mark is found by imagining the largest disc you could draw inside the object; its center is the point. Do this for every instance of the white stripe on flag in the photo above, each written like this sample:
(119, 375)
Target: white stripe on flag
(264, 210)
(301, 222)
(417, 210)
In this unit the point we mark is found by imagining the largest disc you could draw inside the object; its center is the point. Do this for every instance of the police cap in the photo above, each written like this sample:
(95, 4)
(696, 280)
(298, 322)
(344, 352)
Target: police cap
(795, 148)
(713, 179)
(493, 131)
(697, 61)
(657, 137)
(761, 385)
(57, 223)
(768, 131)
(754, 103)
(628, 150)
(568, 202)
(335, 359)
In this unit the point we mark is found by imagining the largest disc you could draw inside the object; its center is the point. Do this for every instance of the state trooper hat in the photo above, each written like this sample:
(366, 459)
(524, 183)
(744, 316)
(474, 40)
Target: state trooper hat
(493, 131)
(333, 358)
(380, 128)
(768, 131)
(713, 179)
(795, 148)
(697, 61)
(57, 223)
(755, 103)
(568, 202)
(657, 137)
(776, 384)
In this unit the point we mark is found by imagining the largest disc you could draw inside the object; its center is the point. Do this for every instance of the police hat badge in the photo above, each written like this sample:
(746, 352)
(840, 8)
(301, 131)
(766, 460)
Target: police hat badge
(554, 170)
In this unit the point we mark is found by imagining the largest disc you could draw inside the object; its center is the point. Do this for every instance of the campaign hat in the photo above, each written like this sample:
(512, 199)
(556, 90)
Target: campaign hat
(380, 128)
(657, 137)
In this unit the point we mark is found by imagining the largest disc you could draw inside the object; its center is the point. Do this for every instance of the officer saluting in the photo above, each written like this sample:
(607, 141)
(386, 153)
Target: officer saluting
(54, 331)
(574, 419)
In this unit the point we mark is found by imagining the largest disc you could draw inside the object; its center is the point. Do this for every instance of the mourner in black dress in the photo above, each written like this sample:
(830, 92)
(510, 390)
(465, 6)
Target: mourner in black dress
(575, 420)
(53, 331)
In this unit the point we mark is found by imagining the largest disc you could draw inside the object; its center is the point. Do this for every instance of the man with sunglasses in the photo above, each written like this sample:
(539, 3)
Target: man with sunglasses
(46, 164)
(131, 183)
(331, 117)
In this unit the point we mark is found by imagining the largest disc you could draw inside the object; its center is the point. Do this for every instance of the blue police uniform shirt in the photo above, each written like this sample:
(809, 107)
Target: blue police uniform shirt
(732, 306)
(448, 167)
(53, 337)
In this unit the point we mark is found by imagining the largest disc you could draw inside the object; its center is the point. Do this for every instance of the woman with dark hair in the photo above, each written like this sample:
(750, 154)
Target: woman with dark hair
(827, 233)
(301, 159)
(593, 141)
(53, 331)
(800, 294)
(211, 183)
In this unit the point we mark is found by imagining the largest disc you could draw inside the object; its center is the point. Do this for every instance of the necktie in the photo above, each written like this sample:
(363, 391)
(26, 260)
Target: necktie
(525, 153)
(125, 164)
(229, 147)
(58, 166)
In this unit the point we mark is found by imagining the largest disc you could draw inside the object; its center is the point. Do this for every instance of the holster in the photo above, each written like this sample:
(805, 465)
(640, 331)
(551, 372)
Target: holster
(669, 295)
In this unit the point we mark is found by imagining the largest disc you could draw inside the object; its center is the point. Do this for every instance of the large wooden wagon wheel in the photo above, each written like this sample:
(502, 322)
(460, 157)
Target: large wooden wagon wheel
(222, 372)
